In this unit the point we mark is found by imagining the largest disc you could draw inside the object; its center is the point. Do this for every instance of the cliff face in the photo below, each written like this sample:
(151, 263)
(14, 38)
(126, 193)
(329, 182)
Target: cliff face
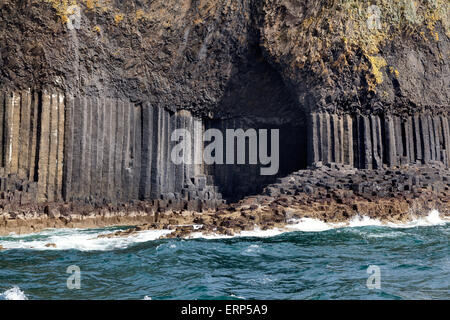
(90, 90)
(205, 55)
(177, 55)
(361, 56)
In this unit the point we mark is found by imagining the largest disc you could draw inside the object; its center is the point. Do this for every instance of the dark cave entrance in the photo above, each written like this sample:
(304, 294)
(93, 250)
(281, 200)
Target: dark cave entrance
(257, 98)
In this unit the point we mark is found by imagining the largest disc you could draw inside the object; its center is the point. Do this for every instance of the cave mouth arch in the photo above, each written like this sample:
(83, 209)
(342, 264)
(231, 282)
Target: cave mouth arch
(256, 97)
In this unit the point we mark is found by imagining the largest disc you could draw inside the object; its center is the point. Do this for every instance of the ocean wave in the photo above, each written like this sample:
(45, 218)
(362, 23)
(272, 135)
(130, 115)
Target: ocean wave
(306, 224)
(13, 294)
(315, 225)
(432, 219)
(87, 240)
(252, 250)
(77, 239)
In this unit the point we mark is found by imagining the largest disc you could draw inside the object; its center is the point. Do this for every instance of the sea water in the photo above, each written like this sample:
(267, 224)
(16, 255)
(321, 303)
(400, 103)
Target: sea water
(308, 260)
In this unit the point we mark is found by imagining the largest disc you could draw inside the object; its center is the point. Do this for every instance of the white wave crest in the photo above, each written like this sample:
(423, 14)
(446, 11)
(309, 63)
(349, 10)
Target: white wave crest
(432, 219)
(315, 225)
(87, 240)
(13, 294)
(310, 225)
(306, 224)
(77, 239)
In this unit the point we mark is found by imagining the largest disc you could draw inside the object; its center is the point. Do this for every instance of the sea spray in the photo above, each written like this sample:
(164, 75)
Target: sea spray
(77, 239)
(329, 264)
(13, 294)
(88, 240)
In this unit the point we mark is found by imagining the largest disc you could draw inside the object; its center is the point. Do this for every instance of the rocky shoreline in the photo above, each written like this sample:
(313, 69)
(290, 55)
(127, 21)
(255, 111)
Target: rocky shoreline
(91, 92)
(330, 193)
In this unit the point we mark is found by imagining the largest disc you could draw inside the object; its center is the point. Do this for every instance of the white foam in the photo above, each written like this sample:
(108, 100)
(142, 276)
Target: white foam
(315, 225)
(384, 235)
(87, 240)
(363, 221)
(257, 232)
(208, 236)
(147, 298)
(252, 250)
(13, 294)
(432, 219)
(83, 240)
(309, 225)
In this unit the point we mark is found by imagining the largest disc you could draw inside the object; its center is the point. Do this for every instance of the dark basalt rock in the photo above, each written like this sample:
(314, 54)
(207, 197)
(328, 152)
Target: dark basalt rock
(88, 102)
(270, 57)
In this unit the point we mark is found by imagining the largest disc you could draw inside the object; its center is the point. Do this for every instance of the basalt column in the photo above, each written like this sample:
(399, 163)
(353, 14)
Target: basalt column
(96, 150)
(102, 150)
(163, 177)
(331, 138)
(374, 141)
(31, 145)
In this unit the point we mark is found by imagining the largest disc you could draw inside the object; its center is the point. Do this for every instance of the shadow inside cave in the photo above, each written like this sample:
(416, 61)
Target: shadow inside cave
(256, 97)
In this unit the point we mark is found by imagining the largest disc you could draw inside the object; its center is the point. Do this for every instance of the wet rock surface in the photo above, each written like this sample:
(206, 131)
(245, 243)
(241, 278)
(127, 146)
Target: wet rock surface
(333, 193)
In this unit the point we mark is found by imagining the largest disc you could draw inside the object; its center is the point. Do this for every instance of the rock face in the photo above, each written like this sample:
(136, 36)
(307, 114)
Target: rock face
(91, 91)
(373, 141)
(360, 57)
(141, 51)
(57, 147)
(333, 193)
(277, 55)
(100, 150)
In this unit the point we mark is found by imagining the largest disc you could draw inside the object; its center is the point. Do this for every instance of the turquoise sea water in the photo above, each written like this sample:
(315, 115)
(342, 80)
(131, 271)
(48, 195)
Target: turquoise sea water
(332, 264)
